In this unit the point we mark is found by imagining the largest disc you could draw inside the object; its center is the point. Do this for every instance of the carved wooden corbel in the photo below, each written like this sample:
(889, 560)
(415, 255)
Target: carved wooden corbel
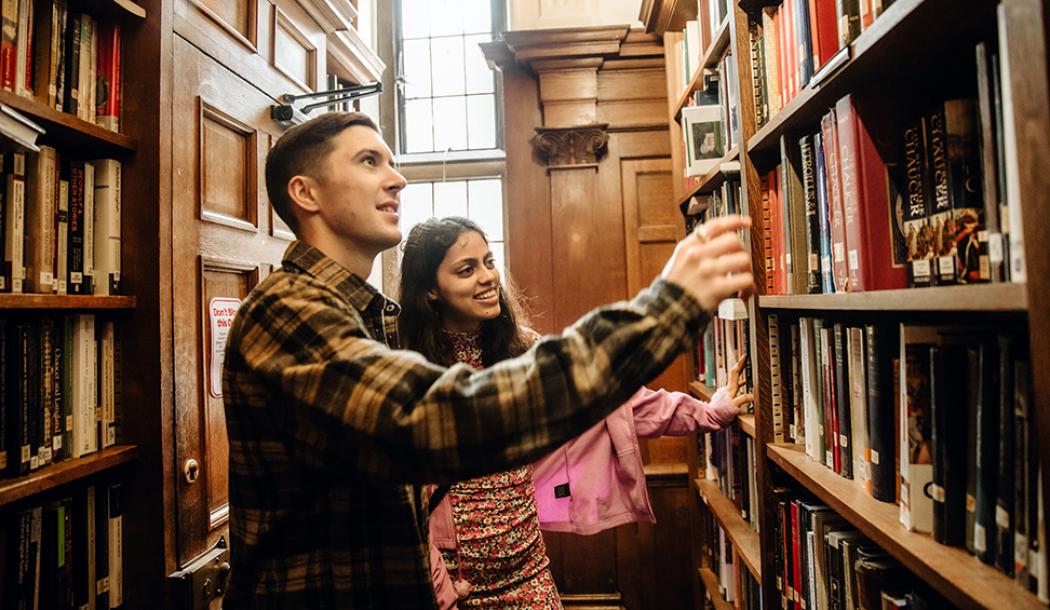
(572, 146)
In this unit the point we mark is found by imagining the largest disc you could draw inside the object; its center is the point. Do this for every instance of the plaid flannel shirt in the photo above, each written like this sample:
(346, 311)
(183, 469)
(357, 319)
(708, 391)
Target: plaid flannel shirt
(332, 432)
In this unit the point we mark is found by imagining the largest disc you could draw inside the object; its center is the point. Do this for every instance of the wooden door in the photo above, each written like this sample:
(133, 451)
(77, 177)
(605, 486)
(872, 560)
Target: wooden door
(225, 240)
(652, 228)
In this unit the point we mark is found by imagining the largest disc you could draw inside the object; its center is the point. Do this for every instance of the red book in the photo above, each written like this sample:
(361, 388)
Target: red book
(107, 109)
(781, 27)
(836, 184)
(824, 30)
(870, 226)
(796, 553)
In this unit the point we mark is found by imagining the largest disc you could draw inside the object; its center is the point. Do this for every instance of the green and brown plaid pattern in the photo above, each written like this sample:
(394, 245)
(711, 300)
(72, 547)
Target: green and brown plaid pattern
(332, 432)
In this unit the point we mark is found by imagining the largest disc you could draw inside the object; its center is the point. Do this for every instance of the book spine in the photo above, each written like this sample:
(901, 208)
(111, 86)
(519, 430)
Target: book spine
(116, 547)
(107, 387)
(62, 239)
(14, 230)
(989, 171)
(986, 450)
(1004, 506)
(45, 392)
(71, 104)
(1013, 179)
(916, 210)
(776, 389)
(40, 219)
(76, 229)
(842, 394)
(842, 191)
(880, 414)
(940, 204)
(106, 238)
(809, 193)
(964, 249)
(824, 216)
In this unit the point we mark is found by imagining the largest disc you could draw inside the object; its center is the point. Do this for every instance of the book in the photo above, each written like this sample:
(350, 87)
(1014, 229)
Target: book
(41, 180)
(948, 434)
(14, 219)
(106, 237)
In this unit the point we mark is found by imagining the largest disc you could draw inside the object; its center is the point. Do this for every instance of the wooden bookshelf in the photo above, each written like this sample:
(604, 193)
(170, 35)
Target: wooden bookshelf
(50, 477)
(727, 166)
(710, 58)
(65, 302)
(714, 589)
(897, 38)
(70, 132)
(739, 532)
(1005, 297)
(956, 574)
(747, 424)
(906, 46)
(700, 390)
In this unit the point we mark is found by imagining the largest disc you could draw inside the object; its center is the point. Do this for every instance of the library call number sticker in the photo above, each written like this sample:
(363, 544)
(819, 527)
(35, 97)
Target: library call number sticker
(220, 317)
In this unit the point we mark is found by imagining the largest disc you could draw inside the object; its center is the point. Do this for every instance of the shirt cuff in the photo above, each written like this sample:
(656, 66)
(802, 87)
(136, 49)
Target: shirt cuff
(676, 309)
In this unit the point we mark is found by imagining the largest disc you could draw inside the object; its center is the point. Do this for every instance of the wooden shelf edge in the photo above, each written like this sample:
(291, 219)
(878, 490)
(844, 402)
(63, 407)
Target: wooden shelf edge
(701, 391)
(666, 470)
(714, 178)
(61, 301)
(1004, 297)
(714, 589)
(50, 477)
(956, 574)
(676, 110)
(710, 58)
(55, 122)
(713, 54)
(744, 539)
(132, 8)
(747, 424)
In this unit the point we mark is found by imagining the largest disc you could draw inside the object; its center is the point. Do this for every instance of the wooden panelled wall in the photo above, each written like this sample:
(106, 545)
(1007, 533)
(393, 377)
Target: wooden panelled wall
(591, 219)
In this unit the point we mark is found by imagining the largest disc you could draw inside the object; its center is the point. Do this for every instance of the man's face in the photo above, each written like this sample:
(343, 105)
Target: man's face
(358, 190)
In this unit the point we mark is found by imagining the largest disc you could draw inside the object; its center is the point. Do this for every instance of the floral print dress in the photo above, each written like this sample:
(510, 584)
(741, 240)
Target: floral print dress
(501, 551)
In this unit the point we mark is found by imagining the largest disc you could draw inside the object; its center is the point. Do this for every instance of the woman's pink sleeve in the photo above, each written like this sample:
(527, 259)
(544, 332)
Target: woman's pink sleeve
(662, 413)
(446, 595)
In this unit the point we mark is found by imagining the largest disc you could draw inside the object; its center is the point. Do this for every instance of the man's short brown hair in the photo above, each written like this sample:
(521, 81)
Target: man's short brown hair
(302, 151)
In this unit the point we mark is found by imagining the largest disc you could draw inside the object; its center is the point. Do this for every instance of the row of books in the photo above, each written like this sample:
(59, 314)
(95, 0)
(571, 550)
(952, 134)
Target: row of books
(66, 554)
(696, 39)
(728, 459)
(726, 338)
(884, 405)
(63, 58)
(736, 584)
(793, 42)
(61, 390)
(60, 224)
(820, 561)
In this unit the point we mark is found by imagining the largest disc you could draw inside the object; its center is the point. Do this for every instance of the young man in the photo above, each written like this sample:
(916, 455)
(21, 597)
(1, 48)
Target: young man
(332, 432)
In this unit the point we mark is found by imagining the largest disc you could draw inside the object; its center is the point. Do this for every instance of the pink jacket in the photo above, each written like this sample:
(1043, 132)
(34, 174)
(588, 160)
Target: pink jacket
(596, 481)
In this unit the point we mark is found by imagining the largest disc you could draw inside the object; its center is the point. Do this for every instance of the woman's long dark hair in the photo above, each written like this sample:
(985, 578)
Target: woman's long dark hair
(420, 321)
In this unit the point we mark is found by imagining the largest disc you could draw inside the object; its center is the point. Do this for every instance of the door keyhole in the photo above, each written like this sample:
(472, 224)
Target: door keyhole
(191, 470)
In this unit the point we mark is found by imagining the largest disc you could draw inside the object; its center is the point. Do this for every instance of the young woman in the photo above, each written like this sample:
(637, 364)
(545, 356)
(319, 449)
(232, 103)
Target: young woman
(456, 309)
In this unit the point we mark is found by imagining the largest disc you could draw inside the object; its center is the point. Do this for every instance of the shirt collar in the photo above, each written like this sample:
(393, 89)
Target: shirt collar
(359, 293)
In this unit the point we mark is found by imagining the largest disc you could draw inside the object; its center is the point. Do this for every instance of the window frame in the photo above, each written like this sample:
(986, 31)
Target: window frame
(434, 166)
(499, 24)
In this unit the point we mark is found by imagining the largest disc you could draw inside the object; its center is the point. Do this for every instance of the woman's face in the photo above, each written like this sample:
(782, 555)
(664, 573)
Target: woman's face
(467, 284)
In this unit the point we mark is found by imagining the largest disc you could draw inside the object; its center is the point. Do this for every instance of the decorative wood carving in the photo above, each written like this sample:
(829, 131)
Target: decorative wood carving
(572, 146)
